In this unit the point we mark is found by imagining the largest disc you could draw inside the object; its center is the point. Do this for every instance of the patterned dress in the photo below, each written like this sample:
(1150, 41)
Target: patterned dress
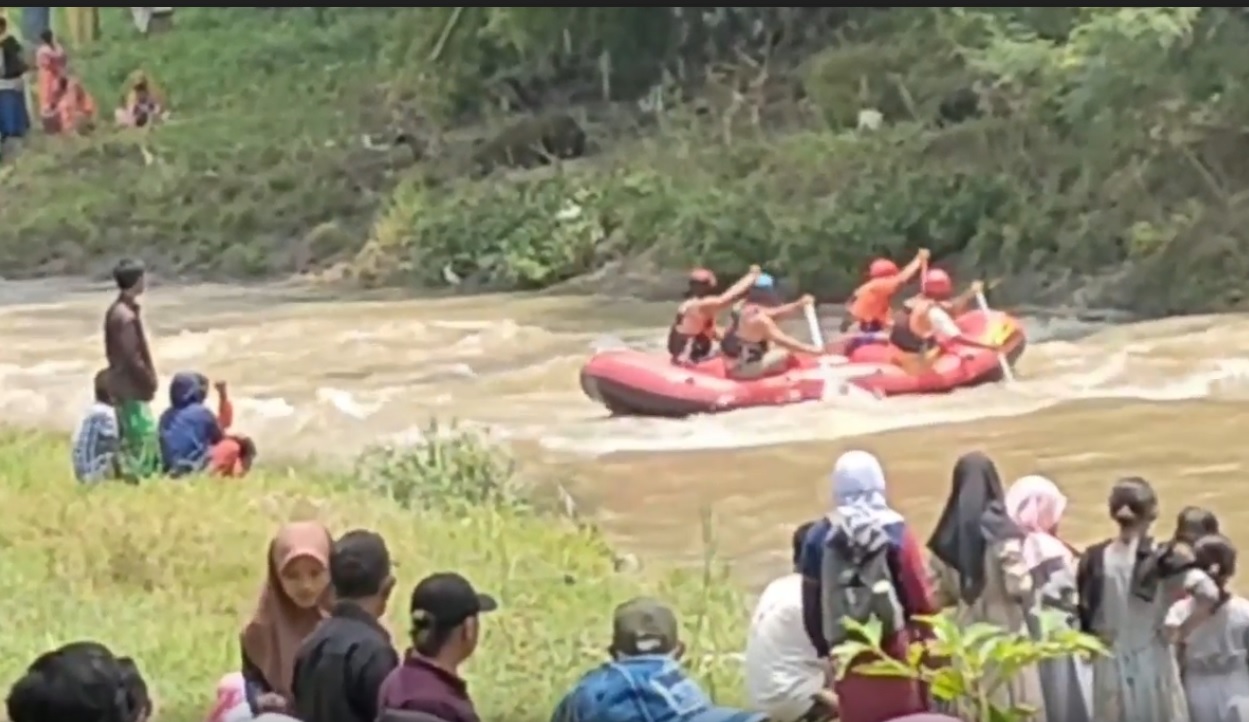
(1139, 681)
(1215, 662)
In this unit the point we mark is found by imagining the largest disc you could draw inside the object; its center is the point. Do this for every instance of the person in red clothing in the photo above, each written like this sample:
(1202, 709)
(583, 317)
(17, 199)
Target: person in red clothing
(858, 487)
(870, 307)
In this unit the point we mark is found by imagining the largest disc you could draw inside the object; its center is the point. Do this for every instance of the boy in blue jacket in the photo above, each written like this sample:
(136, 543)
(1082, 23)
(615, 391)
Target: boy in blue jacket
(193, 438)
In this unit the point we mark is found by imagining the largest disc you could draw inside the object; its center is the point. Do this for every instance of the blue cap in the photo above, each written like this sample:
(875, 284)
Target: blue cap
(765, 280)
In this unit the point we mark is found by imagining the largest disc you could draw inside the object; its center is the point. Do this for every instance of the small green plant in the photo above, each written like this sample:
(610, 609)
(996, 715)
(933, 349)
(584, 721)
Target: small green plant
(976, 661)
(450, 467)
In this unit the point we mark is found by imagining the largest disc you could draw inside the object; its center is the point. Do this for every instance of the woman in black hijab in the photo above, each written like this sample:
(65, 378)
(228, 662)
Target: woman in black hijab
(977, 566)
(974, 516)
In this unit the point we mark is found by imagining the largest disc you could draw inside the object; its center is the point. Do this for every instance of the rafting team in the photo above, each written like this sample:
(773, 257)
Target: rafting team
(119, 438)
(754, 346)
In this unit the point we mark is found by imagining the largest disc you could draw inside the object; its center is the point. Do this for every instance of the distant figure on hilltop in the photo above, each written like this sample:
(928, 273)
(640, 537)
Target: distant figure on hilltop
(65, 106)
(53, 65)
(14, 113)
(72, 109)
(143, 104)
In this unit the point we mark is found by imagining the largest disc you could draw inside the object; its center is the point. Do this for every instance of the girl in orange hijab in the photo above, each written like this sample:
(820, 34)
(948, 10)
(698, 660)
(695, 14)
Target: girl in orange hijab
(292, 602)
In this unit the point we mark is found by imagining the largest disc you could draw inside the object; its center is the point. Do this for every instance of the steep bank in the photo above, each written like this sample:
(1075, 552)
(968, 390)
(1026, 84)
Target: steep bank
(1045, 146)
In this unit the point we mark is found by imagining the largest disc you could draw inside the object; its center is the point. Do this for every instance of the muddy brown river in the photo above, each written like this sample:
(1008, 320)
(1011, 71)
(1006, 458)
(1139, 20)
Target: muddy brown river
(315, 373)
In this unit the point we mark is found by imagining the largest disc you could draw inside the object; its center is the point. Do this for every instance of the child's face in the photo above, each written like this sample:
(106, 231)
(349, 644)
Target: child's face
(304, 580)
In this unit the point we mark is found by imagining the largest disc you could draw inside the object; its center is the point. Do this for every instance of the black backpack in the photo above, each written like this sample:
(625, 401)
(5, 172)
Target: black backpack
(856, 581)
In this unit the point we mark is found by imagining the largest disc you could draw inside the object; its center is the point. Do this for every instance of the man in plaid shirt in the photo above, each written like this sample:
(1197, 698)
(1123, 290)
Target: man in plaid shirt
(95, 442)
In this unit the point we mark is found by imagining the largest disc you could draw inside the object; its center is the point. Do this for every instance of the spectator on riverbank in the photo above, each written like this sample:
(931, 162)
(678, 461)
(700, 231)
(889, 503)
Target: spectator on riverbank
(293, 601)
(1127, 584)
(95, 442)
(644, 679)
(785, 678)
(193, 439)
(52, 64)
(978, 567)
(341, 666)
(143, 103)
(1037, 506)
(73, 109)
(14, 113)
(858, 498)
(132, 375)
(80, 682)
(446, 612)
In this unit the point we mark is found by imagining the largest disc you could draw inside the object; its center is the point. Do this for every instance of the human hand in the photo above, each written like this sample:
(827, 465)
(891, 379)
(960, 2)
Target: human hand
(271, 702)
(828, 698)
(220, 386)
(977, 286)
(755, 270)
(807, 300)
(924, 254)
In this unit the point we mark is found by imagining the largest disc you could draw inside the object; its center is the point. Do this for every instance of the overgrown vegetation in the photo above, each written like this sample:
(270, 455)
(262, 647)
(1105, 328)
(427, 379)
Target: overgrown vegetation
(167, 572)
(261, 168)
(1015, 141)
(449, 469)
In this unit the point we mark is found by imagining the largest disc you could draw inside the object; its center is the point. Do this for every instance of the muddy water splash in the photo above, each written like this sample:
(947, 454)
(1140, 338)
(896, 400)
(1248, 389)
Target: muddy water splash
(314, 373)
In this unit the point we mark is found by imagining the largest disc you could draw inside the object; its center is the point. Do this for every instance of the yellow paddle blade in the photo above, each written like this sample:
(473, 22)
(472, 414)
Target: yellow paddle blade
(1000, 332)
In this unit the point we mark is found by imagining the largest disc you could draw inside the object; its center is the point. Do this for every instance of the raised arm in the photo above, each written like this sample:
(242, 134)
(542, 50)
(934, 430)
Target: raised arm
(914, 267)
(735, 291)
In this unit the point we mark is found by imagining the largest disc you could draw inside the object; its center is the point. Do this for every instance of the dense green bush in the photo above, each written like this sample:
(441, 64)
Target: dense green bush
(449, 467)
(1015, 141)
(813, 206)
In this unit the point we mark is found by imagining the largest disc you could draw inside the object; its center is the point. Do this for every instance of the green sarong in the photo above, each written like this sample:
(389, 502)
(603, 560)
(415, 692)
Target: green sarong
(139, 452)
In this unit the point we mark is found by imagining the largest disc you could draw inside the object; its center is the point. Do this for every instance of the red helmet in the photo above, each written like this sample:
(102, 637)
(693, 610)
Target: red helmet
(702, 276)
(882, 268)
(937, 284)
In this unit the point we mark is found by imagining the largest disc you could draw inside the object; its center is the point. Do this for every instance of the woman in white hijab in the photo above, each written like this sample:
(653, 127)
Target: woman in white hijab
(858, 496)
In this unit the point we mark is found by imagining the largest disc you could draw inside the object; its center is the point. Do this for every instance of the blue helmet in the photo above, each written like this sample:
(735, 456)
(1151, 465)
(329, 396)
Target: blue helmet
(765, 280)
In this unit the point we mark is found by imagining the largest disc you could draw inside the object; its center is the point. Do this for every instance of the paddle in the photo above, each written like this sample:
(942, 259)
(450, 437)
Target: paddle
(1007, 372)
(836, 381)
(813, 325)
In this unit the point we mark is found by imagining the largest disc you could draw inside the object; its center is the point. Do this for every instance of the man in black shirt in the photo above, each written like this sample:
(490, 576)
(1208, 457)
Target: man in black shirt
(340, 667)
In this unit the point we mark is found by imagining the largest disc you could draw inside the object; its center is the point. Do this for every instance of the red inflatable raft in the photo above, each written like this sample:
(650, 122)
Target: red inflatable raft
(636, 383)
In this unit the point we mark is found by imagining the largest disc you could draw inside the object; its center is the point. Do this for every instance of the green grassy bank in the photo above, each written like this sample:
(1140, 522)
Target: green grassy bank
(168, 572)
(1045, 145)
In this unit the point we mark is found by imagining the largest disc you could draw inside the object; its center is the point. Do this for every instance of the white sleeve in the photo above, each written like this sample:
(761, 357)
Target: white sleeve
(942, 323)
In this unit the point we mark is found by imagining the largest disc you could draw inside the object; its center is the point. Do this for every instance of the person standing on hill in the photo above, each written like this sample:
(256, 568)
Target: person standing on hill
(14, 115)
(132, 375)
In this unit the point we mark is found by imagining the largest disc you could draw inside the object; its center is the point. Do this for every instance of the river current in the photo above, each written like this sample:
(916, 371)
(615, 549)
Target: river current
(317, 372)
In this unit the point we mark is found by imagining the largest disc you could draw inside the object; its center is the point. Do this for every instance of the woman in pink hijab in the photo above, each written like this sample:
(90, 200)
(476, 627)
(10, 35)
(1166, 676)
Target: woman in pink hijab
(1036, 505)
(293, 601)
